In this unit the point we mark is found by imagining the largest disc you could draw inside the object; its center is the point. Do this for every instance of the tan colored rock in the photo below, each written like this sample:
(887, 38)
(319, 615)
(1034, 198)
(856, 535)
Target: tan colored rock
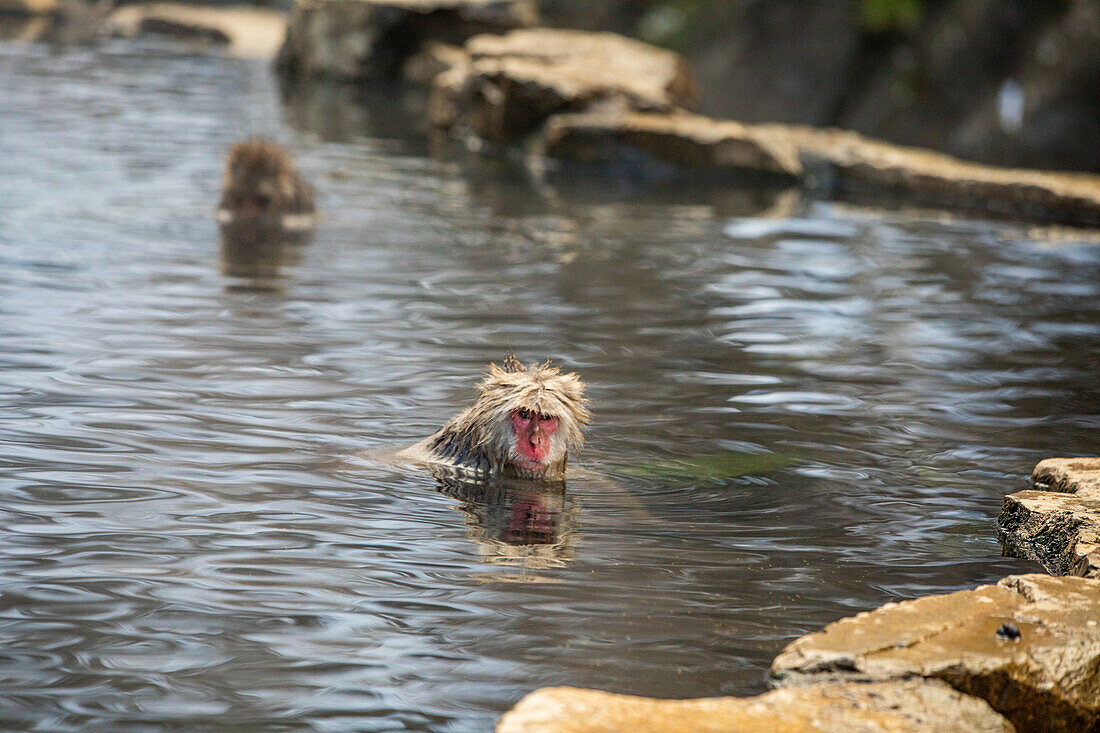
(924, 177)
(433, 59)
(29, 7)
(1079, 476)
(1059, 531)
(687, 141)
(1046, 679)
(1058, 523)
(575, 62)
(510, 84)
(57, 22)
(248, 32)
(833, 159)
(357, 39)
(25, 29)
(917, 705)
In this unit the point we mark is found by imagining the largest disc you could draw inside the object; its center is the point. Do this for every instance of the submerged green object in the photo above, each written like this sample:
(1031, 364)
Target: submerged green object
(715, 466)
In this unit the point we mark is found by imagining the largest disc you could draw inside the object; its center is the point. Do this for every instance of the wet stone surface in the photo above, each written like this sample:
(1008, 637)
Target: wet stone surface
(508, 85)
(1029, 646)
(835, 161)
(912, 706)
(1058, 522)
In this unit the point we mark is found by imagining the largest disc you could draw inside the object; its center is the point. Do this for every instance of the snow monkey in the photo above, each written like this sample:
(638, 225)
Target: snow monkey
(260, 180)
(523, 425)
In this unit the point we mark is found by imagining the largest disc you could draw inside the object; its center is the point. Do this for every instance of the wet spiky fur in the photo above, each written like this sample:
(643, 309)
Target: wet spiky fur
(480, 438)
(260, 173)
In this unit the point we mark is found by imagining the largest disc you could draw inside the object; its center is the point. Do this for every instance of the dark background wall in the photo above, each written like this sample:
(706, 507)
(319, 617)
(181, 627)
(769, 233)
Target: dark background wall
(1012, 82)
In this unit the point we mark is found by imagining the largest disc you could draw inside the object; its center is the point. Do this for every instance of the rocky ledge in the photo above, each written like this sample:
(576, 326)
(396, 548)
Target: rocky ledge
(835, 161)
(1057, 523)
(504, 87)
(599, 97)
(607, 98)
(246, 31)
(241, 30)
(29, 7)
(1029, 646)
(912, 705)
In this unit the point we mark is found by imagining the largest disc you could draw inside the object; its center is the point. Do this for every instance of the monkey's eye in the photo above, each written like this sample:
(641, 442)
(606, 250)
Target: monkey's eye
(525, 414)
(544, 416)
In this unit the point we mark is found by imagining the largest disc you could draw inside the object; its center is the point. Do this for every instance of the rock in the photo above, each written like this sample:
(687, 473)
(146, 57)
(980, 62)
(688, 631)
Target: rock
(180, 29)
(509, 85)
(29, 7)
(686, 141)
(23, 29)
(923, 177)
(1046, 680)
(1068, 475)
(247, 31)
(57, 22)
(842, 162)
(896, 707)
(357, 39)
(1058, 523)
(431, 60)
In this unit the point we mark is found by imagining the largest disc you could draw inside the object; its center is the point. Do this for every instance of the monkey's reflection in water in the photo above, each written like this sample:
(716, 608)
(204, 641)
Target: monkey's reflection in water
(525, 524)
(254, 252)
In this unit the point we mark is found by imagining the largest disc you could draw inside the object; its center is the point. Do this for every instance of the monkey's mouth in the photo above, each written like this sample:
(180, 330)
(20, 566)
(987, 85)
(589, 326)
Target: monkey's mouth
(256, 205)
(528, 468)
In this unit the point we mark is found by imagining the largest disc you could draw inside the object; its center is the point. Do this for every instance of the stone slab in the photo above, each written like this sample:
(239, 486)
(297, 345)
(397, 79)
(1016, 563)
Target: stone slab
(1029, 646)
(1057, 523)
(685, 141)
(835, 161)
(29, 7)
(1079, 476)
(508, 85)
(915, 705)
(248, 32)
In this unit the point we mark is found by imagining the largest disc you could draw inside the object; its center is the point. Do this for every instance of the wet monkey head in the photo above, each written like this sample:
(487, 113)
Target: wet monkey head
(260, 179)
(524, 423)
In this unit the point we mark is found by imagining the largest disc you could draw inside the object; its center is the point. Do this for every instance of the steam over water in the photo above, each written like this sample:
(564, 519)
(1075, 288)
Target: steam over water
(189, 540)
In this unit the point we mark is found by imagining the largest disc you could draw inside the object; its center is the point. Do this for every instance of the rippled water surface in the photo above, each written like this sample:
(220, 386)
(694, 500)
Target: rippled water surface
(189, 540)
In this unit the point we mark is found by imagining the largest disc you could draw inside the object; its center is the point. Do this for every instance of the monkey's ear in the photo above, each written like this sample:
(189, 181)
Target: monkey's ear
(511, 364)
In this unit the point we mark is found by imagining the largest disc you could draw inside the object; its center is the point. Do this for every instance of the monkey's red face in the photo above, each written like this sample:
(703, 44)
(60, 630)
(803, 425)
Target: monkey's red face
(535, 443)
(254, 187)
